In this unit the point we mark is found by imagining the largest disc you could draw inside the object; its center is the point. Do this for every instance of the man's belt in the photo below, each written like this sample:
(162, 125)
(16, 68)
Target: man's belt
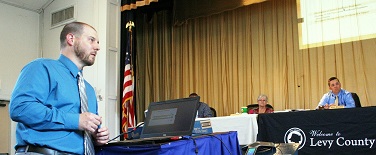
(41, 150)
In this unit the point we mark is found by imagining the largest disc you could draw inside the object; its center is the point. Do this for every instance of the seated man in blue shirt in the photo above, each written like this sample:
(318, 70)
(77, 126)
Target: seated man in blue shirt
(344, 98)
(203, 108)
(56, 110)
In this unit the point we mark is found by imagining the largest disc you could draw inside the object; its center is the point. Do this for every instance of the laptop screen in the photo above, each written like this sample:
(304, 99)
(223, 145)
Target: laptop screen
(170, 118)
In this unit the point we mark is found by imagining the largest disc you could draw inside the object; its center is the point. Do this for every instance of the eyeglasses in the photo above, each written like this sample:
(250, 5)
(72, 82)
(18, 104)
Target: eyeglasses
(262, 100)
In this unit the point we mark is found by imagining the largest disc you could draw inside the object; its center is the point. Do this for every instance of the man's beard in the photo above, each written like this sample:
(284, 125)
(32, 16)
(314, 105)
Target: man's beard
(80, 53)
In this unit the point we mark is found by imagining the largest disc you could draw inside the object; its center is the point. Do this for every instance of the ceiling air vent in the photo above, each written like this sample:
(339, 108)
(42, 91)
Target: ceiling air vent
(62, 16)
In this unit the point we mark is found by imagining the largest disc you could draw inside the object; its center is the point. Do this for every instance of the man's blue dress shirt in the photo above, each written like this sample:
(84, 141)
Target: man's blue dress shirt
(344, 98)
(46, 104)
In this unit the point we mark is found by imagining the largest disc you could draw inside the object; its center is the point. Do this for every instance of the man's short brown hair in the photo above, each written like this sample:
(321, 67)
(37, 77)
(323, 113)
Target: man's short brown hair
(193, 95)
(331, 79)
(76, 28)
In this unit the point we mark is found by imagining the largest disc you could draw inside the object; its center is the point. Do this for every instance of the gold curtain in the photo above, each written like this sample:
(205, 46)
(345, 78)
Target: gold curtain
(190, 9)
(133, 4)
(232, 57)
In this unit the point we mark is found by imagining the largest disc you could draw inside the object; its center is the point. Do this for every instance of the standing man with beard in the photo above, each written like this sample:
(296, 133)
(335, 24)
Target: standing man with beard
(46, 100)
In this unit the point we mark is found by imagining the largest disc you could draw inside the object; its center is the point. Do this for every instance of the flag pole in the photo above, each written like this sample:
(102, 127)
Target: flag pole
(129, 25)
(128, 119)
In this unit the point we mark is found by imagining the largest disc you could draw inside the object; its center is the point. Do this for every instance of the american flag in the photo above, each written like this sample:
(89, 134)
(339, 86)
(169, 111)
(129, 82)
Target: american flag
(128, 119)
(128, 112)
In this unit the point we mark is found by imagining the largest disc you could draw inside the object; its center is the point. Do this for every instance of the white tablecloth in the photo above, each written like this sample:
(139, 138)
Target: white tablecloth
(244, 124)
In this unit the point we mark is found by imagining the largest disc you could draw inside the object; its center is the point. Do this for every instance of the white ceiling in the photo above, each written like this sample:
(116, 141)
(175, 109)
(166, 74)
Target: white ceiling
(31, 5)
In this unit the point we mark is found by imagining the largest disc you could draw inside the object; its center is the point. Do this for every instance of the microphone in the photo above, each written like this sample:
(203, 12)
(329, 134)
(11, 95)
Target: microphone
(134, 129)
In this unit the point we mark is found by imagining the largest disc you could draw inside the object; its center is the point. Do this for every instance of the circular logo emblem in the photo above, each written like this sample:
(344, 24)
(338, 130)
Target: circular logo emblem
(295, 135)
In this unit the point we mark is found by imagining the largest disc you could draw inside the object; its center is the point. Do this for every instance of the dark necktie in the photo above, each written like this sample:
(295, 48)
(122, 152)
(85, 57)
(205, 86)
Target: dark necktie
(89, 148)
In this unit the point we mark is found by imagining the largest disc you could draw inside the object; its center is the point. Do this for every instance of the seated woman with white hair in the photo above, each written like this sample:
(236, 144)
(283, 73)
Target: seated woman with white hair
(262, 101)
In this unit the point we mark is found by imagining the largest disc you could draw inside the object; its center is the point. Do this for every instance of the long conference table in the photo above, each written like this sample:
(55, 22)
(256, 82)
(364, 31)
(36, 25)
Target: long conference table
(334, 131)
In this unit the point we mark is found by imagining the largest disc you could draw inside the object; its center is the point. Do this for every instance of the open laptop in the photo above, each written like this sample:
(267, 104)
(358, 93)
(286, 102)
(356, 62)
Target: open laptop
(166, 120)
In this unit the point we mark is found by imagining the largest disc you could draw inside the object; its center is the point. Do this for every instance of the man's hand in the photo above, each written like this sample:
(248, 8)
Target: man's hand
(101, 136)
(89, 122)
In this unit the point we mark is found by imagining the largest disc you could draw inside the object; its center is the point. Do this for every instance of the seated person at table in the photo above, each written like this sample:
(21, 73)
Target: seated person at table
(343, 97)
(262, 101)
(203, 108)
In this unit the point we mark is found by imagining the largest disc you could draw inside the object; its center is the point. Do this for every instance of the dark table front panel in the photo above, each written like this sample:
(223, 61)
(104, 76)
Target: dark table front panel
(336, 131)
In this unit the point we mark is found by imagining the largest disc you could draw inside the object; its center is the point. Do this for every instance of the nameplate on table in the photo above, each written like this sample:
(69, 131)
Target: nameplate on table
(336, 107)
(202, 127)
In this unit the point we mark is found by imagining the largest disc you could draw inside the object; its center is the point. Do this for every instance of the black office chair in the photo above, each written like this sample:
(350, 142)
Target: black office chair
(356, 99)
(214, 112)
(254, 106)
